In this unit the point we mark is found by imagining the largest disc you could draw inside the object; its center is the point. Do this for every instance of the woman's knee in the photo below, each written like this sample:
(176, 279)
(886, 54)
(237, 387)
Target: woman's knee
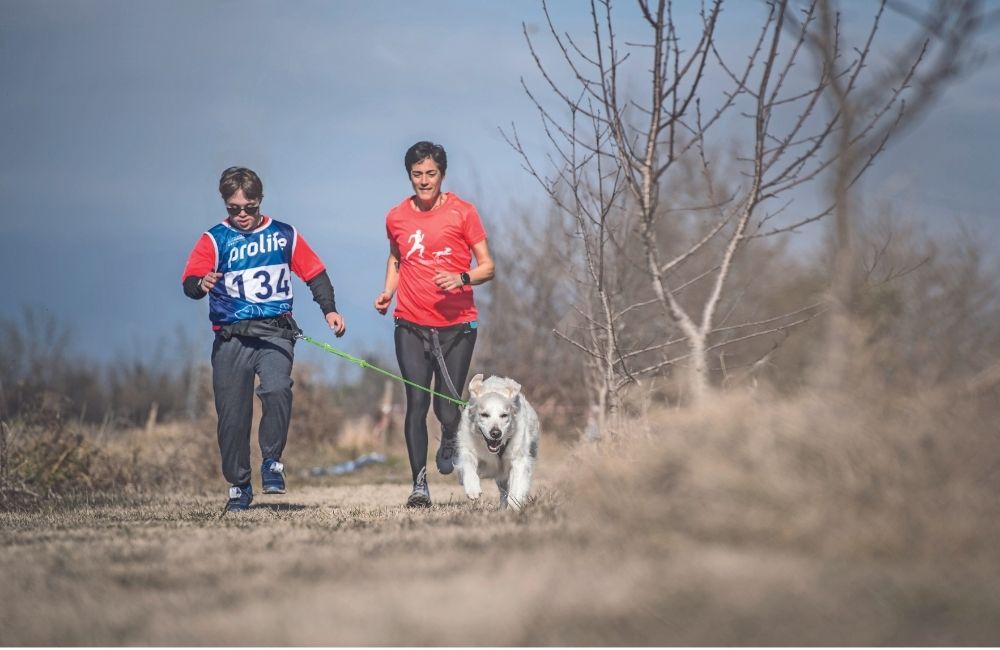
(447, 413)
(418, 403)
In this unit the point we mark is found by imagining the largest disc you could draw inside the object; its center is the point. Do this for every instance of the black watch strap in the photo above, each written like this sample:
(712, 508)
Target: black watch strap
(466, 279)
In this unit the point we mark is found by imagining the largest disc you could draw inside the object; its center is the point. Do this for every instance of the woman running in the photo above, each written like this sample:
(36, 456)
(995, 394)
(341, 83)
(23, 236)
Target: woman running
(433, 236)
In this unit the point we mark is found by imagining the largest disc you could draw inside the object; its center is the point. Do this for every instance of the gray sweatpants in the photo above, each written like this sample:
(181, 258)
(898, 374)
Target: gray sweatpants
(235, 363)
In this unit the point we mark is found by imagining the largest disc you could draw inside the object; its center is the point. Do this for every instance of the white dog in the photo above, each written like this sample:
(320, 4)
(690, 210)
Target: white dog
(501, 428)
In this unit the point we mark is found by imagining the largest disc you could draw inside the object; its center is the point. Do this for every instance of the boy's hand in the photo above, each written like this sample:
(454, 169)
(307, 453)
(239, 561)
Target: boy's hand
(209, 281)
(336, 323)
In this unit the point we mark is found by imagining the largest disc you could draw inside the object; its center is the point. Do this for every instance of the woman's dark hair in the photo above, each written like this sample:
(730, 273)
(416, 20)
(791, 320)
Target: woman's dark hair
(424, 149)
(241, 178)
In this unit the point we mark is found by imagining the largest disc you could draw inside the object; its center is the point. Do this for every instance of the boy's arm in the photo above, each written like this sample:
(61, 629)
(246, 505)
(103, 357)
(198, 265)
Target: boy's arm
(201, 262)
(307, 265)
(322, 292)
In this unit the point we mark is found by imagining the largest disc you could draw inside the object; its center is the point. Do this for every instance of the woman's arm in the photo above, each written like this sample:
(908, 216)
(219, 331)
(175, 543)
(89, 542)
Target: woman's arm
(384, 299)
(484, 264)
(483, 272)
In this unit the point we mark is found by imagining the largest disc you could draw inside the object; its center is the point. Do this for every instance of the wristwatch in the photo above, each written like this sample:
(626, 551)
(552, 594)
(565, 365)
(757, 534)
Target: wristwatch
(466, 279)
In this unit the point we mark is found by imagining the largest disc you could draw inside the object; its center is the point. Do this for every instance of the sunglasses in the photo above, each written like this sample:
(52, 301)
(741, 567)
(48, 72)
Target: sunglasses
(234, 210)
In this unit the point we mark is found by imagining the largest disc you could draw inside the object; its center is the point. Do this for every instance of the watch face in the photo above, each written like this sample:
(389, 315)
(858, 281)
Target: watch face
(466, 279)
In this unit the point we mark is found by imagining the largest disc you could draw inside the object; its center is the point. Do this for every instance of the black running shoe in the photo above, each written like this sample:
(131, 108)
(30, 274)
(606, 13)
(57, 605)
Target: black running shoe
(447, 453)
(421, 496)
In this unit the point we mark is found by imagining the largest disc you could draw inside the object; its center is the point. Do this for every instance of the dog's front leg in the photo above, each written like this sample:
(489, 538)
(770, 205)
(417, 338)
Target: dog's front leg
(520, 483)
(468, 472)
(502, 481)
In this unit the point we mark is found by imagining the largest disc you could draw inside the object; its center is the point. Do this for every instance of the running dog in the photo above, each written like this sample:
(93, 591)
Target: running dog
(500, 428)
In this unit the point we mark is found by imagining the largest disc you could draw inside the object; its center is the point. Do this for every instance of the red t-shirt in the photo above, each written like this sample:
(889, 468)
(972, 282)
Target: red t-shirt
(428, 242)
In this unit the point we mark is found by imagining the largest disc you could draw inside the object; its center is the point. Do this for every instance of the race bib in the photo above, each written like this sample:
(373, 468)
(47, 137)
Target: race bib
(260, 284)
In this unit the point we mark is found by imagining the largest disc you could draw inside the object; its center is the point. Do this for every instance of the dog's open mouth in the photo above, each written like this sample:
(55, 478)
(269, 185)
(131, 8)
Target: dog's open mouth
(493, 446)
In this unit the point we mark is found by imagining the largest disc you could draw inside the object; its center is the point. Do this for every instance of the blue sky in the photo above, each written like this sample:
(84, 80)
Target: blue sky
(119, 115)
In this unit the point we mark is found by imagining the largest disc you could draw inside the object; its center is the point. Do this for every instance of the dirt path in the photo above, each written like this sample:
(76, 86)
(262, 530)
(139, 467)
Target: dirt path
(347, 565)
(320, 565)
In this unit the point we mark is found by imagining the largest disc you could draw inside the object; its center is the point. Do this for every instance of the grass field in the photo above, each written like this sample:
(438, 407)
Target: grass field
(756, 531)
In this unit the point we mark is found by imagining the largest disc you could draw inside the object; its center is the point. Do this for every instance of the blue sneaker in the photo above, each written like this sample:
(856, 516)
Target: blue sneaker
(272, 477)
(240, 498)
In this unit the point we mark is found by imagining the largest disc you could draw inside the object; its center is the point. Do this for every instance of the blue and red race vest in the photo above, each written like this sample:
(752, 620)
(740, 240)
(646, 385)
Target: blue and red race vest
(257, 274)
(256, 268)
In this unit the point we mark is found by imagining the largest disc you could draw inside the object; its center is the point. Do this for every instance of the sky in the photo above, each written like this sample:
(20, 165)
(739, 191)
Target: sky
(118, 117)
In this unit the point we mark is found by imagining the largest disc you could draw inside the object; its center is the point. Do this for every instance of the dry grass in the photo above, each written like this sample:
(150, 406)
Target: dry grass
(825, 519)
(814, 521)
(826, 474)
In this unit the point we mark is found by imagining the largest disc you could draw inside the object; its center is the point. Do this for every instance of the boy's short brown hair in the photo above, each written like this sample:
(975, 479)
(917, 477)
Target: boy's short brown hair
(241, 178)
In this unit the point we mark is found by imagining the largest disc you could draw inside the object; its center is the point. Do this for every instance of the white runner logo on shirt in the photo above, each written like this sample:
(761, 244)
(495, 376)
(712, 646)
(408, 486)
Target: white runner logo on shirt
(418, 243)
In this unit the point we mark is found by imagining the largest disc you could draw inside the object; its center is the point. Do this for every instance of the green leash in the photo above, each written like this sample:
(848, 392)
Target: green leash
(365, 364)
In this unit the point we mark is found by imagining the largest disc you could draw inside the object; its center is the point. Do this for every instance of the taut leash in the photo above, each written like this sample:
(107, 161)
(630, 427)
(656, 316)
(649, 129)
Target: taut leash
(364, 364)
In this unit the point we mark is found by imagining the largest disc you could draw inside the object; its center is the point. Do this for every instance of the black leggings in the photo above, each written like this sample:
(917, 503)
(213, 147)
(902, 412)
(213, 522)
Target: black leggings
(417, 363)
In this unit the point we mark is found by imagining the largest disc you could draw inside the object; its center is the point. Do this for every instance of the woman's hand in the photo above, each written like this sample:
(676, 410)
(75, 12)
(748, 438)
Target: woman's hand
(391, 281)
(382, 302)
(448, 281)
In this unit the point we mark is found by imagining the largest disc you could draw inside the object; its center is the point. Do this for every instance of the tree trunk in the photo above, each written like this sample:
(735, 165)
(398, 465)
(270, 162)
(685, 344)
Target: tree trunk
(698, 370)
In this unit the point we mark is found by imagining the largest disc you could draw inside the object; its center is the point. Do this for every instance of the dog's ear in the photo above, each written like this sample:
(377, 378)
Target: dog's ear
(512, 389)
(476, 386)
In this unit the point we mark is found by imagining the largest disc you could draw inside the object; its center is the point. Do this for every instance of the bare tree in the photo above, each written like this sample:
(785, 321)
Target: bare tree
(615, 155)
(867, 113)
(583, 190)
(534, 296)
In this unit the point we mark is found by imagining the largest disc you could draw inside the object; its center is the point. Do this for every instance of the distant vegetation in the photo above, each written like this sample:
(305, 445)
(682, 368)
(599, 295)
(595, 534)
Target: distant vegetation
(661, 275)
